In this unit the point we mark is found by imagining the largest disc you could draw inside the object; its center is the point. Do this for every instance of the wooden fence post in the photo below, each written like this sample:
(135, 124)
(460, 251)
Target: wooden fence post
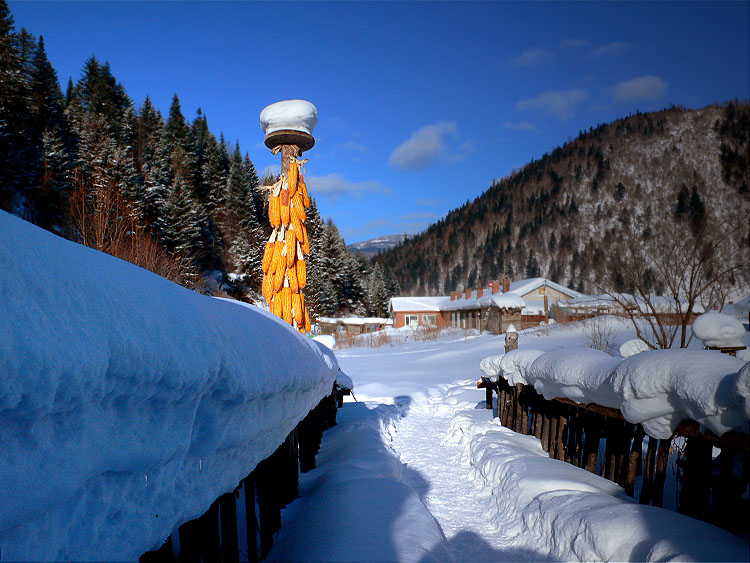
(660, 475)
(696, 481)
(229, 542)
(592, 435)
(634, 462)
(251, 519)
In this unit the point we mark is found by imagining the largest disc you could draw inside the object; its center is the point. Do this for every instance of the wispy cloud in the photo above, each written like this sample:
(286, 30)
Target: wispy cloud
(334, 185)
(531, 57)
(559, 104)
(610, 50)
(642, 88)
(520, 126)
(425, 202)
(425, 147)
(573, 43)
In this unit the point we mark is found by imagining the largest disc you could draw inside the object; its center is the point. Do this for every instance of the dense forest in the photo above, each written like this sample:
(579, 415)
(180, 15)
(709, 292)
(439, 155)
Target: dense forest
(165, 194)
(647, 181)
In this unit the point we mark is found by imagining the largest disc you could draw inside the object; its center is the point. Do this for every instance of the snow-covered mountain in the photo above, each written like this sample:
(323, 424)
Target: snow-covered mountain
(661, 175)
(376, 245)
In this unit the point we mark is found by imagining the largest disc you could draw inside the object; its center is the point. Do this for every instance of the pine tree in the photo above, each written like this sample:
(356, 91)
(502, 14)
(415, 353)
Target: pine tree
(320, 294)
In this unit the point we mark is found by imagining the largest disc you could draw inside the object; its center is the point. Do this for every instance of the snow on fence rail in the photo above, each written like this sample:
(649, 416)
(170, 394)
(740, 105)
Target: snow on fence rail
(128, 404)
(571, 399)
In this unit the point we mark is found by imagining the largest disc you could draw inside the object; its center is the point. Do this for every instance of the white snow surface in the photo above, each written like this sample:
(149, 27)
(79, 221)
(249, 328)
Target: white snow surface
(633, 347)
(297, 115)
(128, 404)
(657, 388)
(419, 470)
(719, 330)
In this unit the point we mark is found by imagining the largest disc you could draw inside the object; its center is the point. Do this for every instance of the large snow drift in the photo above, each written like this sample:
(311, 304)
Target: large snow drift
(656, 388)
(128, 403)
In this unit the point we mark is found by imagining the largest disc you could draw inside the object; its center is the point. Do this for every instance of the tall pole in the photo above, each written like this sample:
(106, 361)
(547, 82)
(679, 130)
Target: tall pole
(288, 127)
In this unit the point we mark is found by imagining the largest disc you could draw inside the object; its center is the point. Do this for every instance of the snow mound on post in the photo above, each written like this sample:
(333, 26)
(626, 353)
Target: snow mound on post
(128, 403)
(661, 388)
(719, 330)
(633, 347)
(297, 115)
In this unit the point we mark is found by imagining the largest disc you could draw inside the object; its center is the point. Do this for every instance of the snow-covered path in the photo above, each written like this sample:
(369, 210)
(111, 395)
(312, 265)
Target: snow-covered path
(458, 502)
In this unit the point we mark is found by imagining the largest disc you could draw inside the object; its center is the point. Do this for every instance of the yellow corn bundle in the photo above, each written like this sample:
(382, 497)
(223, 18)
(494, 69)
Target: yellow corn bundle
(296, 224)
(274, 211)
(291, 275)
(268, 287)
(305, 246)
(303, 189)
(286, 304)
(299, 206)
(278, 278)
(297, 300)
(267, 255)
(301, 271)
(285, 207)
(293, 174)
(276, 257)
(276, 307)
(308, 325)
(291, 246)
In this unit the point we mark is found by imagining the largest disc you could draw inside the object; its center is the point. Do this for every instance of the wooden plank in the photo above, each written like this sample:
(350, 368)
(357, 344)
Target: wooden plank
(592, 435)
(229, 542)
(694, 499)
(648, 472)
(251, 518)
(660, 474)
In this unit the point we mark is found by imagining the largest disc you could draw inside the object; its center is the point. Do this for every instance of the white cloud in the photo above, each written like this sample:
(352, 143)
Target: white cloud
(520, 126)
(641, 88)
(531, 57)
(558, 103)
(334, 185)
(572, 43)
(610, 50)
(424, 148)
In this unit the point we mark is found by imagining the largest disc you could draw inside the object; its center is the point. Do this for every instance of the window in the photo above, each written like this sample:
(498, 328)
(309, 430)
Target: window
(411, 321)
(429, 320)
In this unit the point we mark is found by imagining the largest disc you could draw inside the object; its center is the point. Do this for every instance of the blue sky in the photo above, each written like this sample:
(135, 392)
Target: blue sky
(421, 105)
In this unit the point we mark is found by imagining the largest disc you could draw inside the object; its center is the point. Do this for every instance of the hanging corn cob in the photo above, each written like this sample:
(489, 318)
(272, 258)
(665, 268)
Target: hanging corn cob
(284, 266)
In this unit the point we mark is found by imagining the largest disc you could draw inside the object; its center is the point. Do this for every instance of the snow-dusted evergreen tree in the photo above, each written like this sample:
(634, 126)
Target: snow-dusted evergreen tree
(184, 227)
(320, 294)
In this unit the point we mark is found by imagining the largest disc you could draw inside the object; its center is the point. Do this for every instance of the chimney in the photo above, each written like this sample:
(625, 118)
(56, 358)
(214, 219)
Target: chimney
(506, 285)
(480, 292)
(495, 287)
(453, 295)
(468, 294)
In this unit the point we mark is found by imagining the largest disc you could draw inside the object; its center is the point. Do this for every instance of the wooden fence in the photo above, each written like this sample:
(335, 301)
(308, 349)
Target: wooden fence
(274, 483)
(572, 432)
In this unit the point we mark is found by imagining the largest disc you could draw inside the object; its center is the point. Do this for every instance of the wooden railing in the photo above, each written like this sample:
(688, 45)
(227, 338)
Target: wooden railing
(273, 484)
(572, 432)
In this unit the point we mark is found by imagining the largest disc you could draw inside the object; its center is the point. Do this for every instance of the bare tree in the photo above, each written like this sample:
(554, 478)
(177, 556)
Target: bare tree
(658, 280)
(99, 217)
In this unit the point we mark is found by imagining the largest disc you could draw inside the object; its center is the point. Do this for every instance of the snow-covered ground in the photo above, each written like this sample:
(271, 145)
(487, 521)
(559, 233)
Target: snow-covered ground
(417, 469)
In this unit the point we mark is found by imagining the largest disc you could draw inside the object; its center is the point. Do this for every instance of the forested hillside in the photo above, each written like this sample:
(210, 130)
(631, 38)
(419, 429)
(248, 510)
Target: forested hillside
(166, 194)
(646, 181)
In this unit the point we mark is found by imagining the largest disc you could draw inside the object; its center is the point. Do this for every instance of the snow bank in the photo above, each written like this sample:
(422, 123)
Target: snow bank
(719, 330)
(567, 513)
(297, 115)
(656, 388)
(128, 403)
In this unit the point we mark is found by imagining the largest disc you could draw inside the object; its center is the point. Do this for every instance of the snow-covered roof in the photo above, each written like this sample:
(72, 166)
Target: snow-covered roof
(523, 287)
(124, 395)
(357, 321)
(405, 304)
(658, 303)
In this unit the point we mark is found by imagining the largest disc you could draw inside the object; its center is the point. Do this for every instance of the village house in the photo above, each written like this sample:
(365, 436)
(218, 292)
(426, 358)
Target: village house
(523, 303)
(351, 326)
